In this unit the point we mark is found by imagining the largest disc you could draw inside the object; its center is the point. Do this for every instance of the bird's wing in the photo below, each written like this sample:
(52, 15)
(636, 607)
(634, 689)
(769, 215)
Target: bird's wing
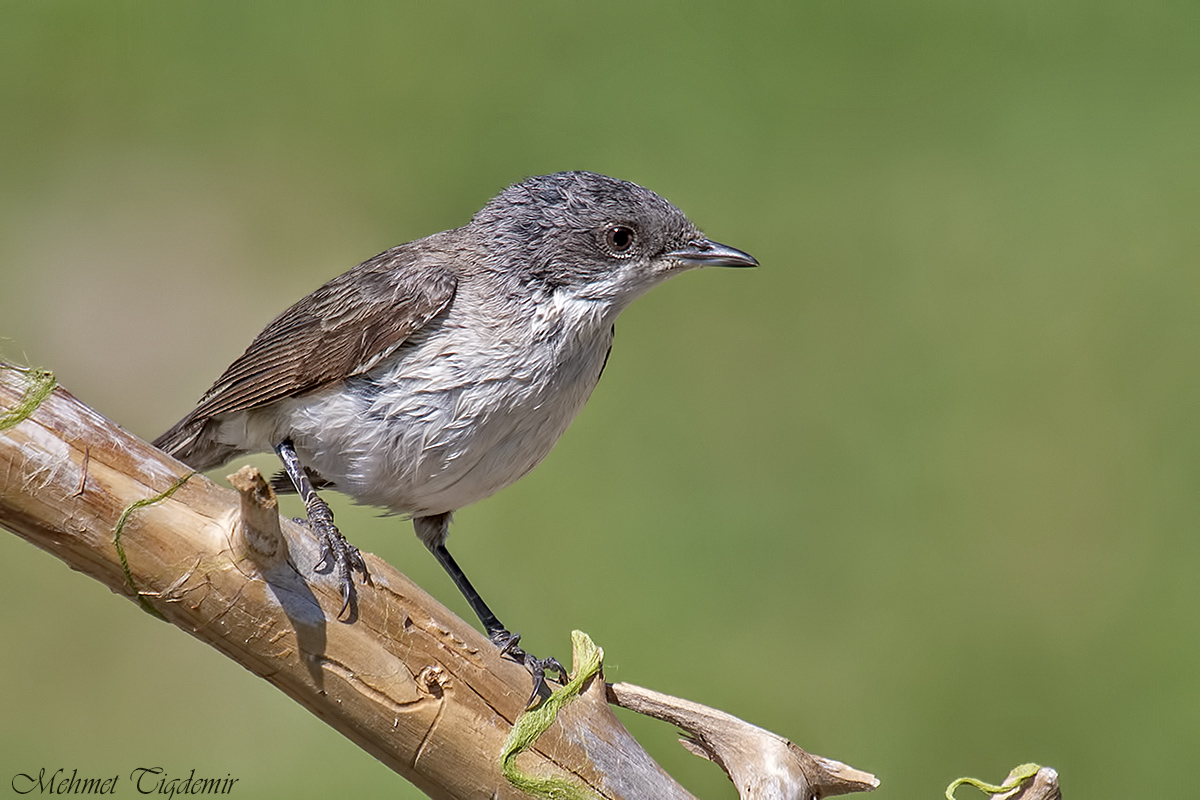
(342, 329)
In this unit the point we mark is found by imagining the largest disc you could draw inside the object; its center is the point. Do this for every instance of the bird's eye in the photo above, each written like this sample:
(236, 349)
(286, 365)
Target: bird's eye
(619, 239)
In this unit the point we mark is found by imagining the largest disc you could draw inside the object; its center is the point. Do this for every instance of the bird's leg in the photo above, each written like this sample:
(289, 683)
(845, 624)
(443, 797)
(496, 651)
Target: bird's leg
(337, 554)
(435, 528)
(503, 638)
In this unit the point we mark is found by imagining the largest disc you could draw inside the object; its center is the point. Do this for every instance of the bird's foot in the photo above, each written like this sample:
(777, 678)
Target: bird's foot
(507, 642)
(337, 555)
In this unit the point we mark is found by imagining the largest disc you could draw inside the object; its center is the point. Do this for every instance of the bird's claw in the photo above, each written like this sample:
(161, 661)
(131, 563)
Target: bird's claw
(339, 557)
(507, 642)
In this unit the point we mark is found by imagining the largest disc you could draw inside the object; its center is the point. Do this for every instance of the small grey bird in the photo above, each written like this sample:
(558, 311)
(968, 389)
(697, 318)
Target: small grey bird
(442, 370)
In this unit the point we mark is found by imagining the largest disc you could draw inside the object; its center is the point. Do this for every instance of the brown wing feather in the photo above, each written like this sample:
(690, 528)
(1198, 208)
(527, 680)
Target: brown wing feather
(342, 329)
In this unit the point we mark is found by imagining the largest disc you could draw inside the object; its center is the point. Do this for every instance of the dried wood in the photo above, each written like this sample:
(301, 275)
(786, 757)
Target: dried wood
(403, 678)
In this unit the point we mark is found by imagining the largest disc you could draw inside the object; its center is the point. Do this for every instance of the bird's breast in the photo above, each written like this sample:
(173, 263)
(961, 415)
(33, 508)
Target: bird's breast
(457, 415)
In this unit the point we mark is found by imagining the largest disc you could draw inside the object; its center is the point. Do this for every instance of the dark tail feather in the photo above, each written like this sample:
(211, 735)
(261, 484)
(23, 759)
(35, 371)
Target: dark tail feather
(191, 441)
(281, 482)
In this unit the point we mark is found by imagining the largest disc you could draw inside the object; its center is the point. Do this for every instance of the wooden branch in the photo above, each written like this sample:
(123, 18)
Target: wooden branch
(1043, 786)
(404, 678)
(761, 764)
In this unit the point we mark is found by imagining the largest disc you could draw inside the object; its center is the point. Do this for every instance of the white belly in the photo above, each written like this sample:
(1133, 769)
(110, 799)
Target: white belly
(451, 421)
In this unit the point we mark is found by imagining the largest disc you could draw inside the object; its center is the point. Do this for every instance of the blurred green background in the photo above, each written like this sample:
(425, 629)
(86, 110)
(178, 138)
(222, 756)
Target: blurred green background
(920, 493)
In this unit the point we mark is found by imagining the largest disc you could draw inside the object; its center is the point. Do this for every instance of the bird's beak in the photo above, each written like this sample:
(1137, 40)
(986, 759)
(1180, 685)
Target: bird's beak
(707, 253)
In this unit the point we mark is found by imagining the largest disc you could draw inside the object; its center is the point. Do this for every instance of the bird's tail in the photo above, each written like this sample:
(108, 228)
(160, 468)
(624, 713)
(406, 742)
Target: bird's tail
(191, 441)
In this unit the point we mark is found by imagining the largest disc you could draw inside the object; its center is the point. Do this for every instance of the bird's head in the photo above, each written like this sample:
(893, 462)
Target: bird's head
(594, 237)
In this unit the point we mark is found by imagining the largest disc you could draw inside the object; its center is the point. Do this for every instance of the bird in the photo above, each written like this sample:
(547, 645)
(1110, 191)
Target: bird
(444, 369)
